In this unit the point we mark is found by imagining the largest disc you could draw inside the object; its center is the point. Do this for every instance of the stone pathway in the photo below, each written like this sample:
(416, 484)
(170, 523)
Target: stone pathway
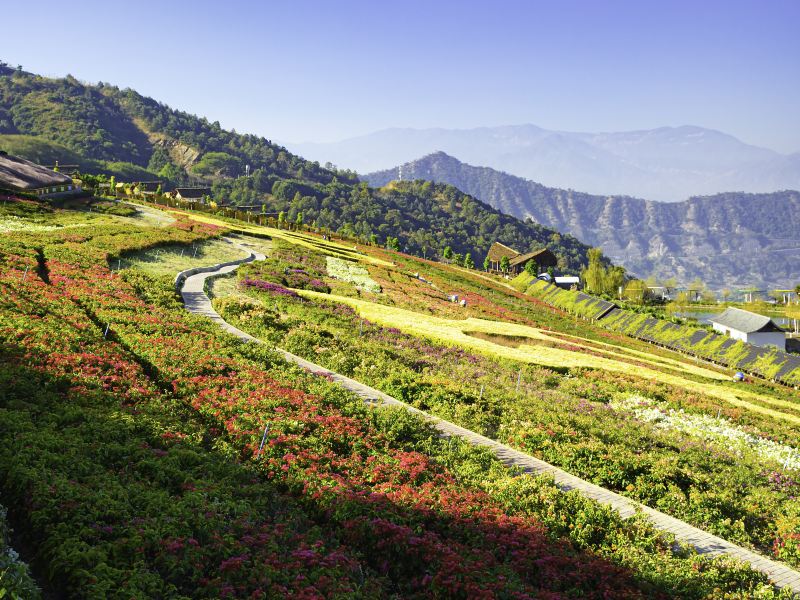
(196, 301)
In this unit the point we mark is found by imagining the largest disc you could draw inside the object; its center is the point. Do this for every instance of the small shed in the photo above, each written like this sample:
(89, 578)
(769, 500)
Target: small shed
(568, 282)
(20, 175)
(749, 327)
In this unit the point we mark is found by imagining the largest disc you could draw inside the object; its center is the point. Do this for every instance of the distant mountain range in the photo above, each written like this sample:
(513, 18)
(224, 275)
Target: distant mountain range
(668, 164)
(728, 240)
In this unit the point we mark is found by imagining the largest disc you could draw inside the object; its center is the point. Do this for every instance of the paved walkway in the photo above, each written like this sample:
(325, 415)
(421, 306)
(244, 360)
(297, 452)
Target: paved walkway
(782, 576)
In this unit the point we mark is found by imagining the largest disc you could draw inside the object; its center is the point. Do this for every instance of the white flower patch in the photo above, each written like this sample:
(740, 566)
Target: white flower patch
(350, 272)
(13, 223)
(707, 428)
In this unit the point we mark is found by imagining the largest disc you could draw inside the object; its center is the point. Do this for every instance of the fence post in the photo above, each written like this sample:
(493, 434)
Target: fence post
(263, 439)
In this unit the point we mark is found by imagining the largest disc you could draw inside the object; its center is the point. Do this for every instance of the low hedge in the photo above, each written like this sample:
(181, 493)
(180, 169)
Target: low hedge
(764, 362)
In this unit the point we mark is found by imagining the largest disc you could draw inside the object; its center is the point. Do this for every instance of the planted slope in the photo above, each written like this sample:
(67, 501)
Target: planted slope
(105, 129)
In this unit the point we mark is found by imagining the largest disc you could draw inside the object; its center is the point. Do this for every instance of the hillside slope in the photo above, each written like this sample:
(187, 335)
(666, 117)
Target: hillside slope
(105, 129)
(667, 164)
(104, 123)
(732, 239)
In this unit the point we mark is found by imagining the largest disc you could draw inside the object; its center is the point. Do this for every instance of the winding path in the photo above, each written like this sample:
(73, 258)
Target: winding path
(192, 288)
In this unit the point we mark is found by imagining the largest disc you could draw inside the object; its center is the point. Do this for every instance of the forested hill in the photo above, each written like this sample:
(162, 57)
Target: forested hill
(426, 217)
(727, 240)
(119, 129)
(105, 129)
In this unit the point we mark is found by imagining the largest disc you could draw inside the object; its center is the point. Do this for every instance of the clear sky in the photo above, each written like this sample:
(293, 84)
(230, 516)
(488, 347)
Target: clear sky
(299, 70)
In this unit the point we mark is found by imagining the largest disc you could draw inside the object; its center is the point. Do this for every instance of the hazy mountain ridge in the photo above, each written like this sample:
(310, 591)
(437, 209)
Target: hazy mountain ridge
(668, 163)
(729, 240)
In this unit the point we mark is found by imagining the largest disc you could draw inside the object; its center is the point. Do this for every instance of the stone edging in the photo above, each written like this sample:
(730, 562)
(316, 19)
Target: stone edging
(181, 277)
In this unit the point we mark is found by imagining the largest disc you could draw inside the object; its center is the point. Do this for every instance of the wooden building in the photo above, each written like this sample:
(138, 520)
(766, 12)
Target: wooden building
(496, 254)
(147, 188)
(20, 175)
(195, 194)
(542, 257)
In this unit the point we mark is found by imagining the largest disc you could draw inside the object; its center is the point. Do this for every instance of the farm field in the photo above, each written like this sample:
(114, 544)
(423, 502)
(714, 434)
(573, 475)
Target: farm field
(146, 454)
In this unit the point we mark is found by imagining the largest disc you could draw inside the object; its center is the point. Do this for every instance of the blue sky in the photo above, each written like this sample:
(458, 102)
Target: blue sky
(317, 71)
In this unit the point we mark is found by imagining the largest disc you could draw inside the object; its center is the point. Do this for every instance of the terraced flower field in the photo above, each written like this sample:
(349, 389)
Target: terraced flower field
(145, 454)
(564, 406)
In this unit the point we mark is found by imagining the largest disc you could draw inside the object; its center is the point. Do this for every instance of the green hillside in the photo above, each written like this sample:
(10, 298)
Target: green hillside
(106, 123)
(105, 129)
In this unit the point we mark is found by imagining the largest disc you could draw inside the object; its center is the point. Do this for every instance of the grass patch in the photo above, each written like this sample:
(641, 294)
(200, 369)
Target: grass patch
(170, 260)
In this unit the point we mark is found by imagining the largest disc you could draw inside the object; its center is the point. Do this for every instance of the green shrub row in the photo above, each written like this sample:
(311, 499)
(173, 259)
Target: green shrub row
(769, 363)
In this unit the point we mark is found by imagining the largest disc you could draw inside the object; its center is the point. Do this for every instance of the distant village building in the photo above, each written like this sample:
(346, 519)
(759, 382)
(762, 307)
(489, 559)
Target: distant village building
(20, 175)
(147, 188)
(543, 258)
(661, 292)
(192, 194)
(749, 327)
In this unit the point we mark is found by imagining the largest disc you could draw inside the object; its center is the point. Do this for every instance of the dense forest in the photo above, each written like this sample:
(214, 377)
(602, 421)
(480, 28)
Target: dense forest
(109, 130)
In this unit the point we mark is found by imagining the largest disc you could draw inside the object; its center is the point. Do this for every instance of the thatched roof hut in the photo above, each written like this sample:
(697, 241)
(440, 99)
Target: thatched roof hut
(542, 257)
(498, 251)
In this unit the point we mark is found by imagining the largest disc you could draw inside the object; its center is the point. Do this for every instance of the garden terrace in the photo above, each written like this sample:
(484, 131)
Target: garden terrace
(132, 462)
(560, 412)
(764, 362)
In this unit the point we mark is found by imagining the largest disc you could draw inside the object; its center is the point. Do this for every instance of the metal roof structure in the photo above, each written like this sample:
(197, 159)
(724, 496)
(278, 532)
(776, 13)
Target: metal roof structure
(744, 321)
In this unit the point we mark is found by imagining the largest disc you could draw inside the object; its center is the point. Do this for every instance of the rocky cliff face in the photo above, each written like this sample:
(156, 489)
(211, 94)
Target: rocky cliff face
(728, 240)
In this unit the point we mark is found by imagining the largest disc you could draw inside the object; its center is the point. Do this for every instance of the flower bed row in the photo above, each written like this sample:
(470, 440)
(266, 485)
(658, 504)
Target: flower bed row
(119, 489)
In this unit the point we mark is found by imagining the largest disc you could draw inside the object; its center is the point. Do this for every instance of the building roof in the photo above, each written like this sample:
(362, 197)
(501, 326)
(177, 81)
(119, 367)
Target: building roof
(498, 251)
(148, 186)
(193, 192)
(20, 174)
(523, 258)
(744, 321)
(568, 279)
